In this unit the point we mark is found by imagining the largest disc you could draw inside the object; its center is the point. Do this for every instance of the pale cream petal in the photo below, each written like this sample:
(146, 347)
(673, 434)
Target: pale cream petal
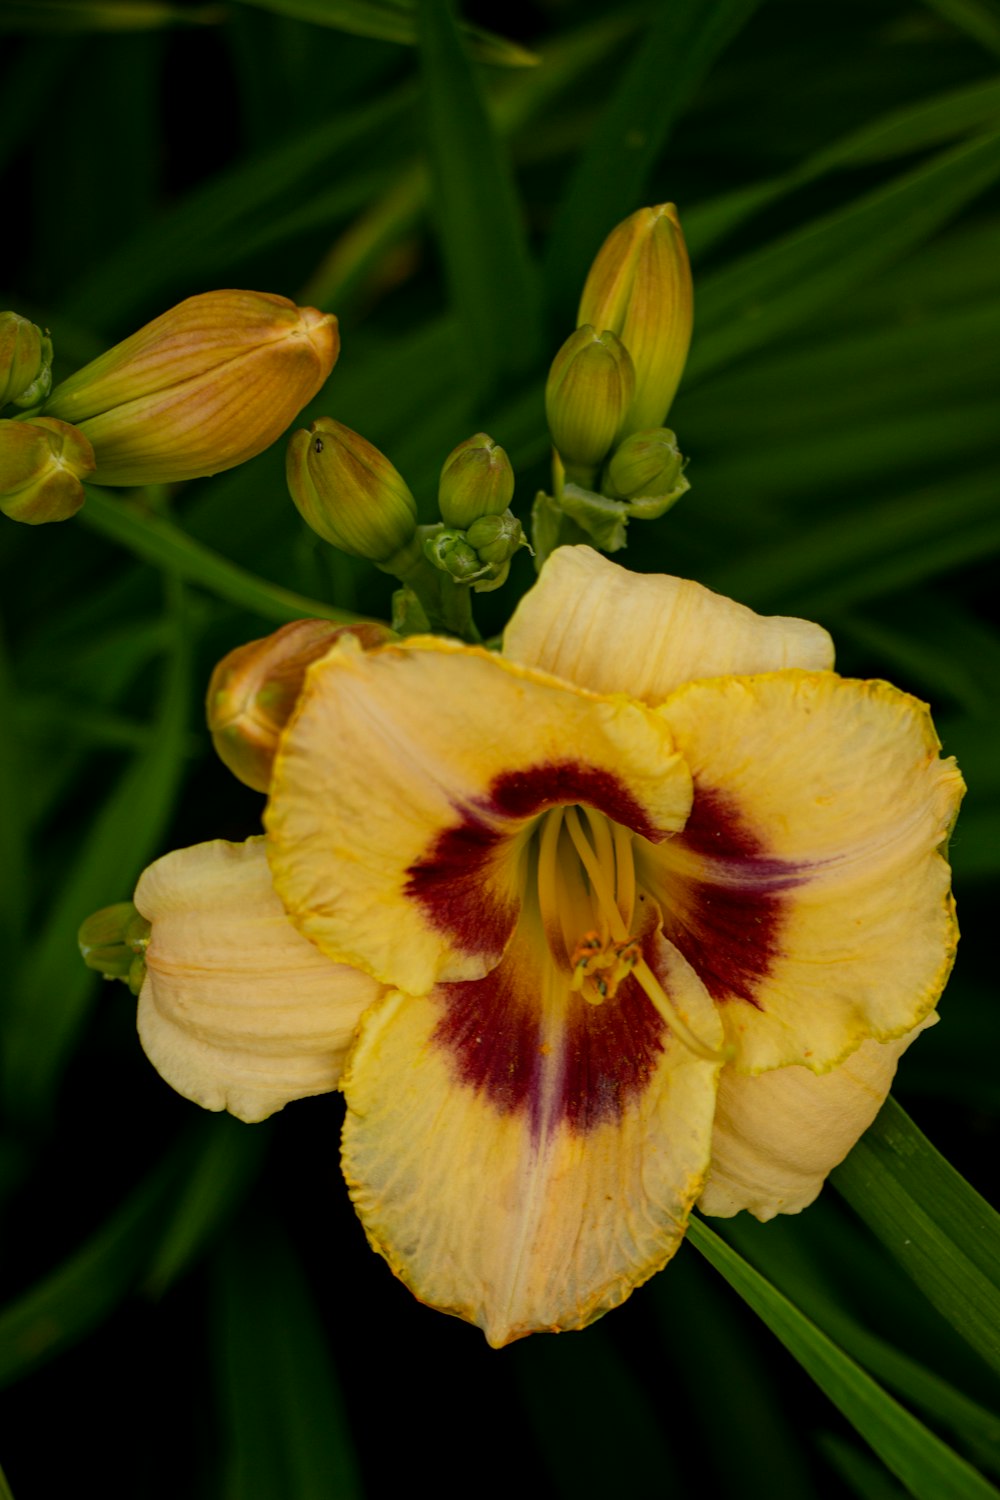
(407, 786)
(777, 1137)
(238, 1011)
(595, 623)
(520, 1158)
(808, 889)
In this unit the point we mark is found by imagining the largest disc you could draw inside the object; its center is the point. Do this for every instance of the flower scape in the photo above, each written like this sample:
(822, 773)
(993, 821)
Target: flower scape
(633, 916)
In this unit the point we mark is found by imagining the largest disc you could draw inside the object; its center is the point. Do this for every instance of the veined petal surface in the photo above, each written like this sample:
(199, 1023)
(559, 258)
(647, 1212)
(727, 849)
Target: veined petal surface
(238, 1011)
(520, 1158)
(408, 784)
(594, 623)
(777, 1137)
(807, 888)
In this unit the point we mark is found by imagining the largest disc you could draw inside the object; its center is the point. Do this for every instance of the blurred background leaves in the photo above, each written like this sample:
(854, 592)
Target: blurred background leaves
(188, 1301)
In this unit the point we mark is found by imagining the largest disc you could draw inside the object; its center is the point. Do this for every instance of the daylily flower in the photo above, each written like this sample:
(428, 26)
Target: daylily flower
(637, 915)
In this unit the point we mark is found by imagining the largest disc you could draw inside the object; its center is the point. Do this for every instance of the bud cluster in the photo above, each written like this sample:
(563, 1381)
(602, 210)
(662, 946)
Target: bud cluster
(113, 942)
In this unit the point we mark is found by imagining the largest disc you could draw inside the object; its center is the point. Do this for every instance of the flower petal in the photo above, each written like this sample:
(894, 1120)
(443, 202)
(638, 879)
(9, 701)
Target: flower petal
(408, 782)
(238, 1011)
(777, 1137)
(592, 622)
(807, 889)
(520, 1158)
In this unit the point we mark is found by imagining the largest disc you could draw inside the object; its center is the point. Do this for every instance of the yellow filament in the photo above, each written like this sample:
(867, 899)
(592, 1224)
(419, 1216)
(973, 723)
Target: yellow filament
(641, 969)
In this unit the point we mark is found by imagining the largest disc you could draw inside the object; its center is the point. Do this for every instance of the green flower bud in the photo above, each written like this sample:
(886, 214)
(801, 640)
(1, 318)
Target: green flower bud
(590, 388)
(640, 286)
(477, 480)
(449, 551)
(206, 386)
(254, 689)
(647, 464)
(113, 942)
(349, 492)
(25, 361)
(42, 464)
(496, 538)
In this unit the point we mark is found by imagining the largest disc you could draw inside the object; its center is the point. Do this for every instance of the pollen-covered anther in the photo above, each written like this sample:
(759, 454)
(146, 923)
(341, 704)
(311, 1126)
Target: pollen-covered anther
(600, 964)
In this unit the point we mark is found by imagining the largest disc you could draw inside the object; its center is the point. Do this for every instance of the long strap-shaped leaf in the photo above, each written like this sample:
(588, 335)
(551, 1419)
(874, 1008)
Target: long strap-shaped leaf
(927, 1466)
(393, 21)
(929, 1218)
(479, 218)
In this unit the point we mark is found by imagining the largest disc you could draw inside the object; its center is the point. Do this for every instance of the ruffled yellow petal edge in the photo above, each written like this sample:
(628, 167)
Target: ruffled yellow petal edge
(594, 623)
(777, 1137)
(238, 1011)
(407, 784)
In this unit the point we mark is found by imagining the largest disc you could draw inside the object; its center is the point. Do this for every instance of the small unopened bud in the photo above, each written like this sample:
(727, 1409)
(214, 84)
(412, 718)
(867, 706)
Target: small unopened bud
(646, 463)
(449, 551)
(211, 383)
(349, 492)
(25, 361)
(42, 463)
(254, 689)
(477, 480)
(113, 942)
(496, 538)
(640, 286)
(590, 388)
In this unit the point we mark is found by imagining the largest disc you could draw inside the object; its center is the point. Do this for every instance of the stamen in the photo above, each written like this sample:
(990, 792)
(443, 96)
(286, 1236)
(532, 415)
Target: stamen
(624, 872)
(639, 967)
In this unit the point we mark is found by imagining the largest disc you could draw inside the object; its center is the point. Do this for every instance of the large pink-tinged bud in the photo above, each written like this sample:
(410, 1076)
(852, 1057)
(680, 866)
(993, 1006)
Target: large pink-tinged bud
(254, 689)
(211, 383)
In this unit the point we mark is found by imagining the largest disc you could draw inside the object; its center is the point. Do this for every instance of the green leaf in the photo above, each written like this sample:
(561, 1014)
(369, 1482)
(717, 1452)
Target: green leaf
(479, 218)
(609, 182)
(866, 1478)
(928, 1468)
(160, 542)
(6, 1493)
(101, 15)
(288, 1432)
(394, 21)
(977, 18)
(931, 1221)
(756, 298)
(212, 1191)
(54, 988)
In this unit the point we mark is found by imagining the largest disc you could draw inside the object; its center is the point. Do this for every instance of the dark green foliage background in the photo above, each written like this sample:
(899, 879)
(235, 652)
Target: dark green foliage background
(191, 1309)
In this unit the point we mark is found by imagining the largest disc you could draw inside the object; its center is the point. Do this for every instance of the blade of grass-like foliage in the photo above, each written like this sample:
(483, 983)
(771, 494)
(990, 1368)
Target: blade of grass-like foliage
(288, 1433)
(932, 1222)
(763, 294)
(14, 873)
(65, 1305)
(492, 279)
(926, 1465)
(797, 1270)
(927, 123)
(102, 15)
(53, 986)
(394, 21)
(212, 1191)
(6, 1493)
(939, 645)
(160, 542)
(866, 1478)
(126, 276)
(977, 18)
(670, 61)
(557, 1381)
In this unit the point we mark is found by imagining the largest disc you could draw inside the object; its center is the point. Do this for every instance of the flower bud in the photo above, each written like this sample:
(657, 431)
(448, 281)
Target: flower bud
(640, 287)
(349, 492)
(449, 551)
(25, 361)
(41, 465)
(495, 539)
(590, 388)
(477, 480)
(113, 942)
(211, 383)
(646, 463)
(254, 689)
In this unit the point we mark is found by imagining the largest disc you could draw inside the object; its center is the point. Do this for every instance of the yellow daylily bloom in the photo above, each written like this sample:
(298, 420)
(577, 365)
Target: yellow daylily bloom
(639, 913)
